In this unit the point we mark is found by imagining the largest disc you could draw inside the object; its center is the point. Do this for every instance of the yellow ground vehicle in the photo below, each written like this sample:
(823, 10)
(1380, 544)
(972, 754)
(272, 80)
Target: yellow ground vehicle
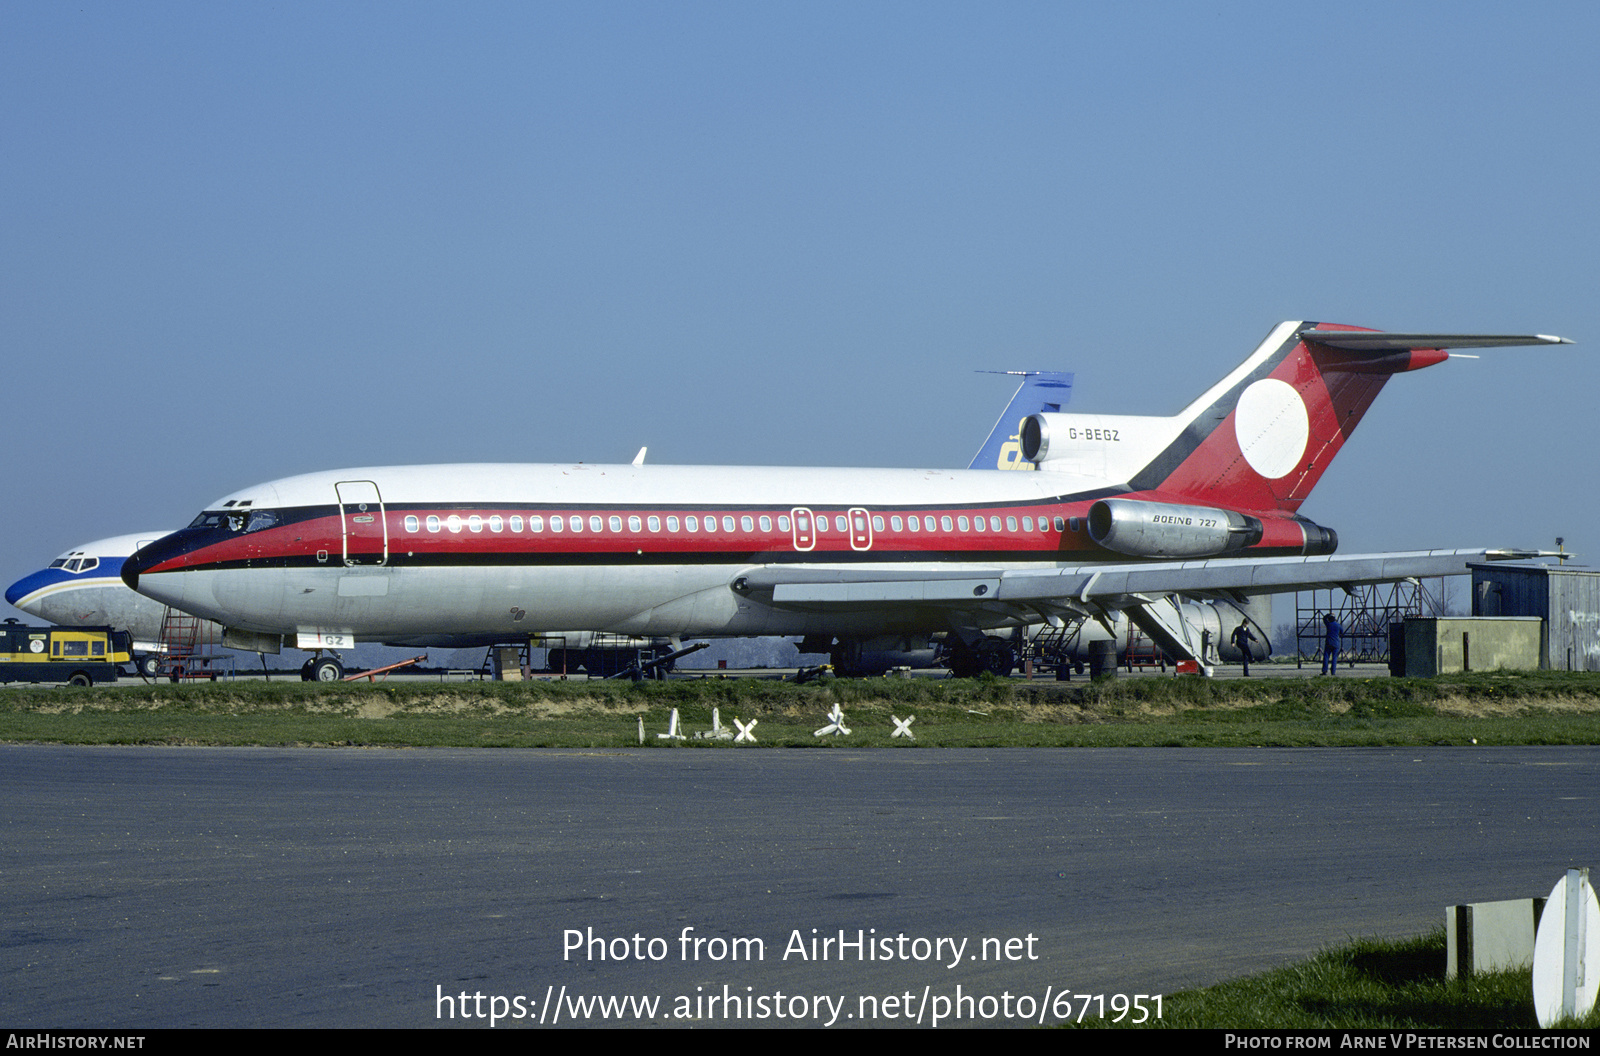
(79, 656)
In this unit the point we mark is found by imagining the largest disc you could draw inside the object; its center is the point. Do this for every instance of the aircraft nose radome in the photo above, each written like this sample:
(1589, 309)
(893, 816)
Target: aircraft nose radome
(154, 555)
(130, 571)
(28, 584)
(19, 590)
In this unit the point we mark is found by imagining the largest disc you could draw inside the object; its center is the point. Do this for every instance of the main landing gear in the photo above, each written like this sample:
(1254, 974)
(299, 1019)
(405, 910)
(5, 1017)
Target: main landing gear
(992, 654)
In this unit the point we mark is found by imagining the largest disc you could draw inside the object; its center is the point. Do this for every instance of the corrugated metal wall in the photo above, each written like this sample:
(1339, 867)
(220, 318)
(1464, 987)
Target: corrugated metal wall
(1567, 599)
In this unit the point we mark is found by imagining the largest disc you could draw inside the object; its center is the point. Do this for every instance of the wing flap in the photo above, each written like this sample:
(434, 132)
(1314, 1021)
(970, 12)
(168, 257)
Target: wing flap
(1238, 575)
(918, 590)
(1106, 583)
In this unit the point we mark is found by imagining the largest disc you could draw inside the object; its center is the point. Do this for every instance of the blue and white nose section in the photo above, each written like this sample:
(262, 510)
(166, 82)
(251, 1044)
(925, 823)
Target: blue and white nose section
(27, 592)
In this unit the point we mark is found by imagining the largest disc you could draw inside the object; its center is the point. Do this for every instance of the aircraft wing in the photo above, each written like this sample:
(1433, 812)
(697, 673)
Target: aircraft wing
(1107, 585)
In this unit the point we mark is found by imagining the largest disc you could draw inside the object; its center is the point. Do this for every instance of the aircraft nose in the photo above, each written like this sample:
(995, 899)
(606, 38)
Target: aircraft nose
(154, 556)
(25, 586)
(130, 571)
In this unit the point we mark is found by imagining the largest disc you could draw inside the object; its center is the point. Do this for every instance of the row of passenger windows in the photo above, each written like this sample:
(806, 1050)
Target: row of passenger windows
(745, 523)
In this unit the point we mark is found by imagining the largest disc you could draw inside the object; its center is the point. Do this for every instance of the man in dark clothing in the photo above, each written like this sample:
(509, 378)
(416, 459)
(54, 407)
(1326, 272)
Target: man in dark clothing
(1241, 639)
(1333, 634)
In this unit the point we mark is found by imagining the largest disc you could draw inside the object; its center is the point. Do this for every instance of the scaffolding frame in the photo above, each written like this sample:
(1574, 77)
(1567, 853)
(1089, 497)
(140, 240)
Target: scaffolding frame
(1365, 613)
(1052, 647)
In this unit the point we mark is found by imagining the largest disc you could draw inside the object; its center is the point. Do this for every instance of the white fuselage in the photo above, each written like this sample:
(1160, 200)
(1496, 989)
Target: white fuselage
(440, 554)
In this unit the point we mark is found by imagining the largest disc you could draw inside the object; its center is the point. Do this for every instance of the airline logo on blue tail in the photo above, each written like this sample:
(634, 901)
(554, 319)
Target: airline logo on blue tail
(1041, 391)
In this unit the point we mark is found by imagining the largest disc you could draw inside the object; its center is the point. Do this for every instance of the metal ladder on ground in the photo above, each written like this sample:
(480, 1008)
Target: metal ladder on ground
(180, 641)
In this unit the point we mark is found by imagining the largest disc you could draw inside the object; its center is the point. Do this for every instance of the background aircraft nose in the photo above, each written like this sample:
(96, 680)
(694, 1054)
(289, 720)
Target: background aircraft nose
(25, 586)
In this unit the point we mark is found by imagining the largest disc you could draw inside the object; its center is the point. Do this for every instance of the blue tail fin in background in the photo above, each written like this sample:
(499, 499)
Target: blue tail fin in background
(1041, 392)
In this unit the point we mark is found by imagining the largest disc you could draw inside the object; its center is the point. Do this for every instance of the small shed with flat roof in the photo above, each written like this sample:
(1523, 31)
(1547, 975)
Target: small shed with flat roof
(1565, 598)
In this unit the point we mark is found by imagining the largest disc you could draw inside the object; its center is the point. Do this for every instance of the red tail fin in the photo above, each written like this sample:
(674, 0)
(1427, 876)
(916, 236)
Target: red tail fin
(1261, 438)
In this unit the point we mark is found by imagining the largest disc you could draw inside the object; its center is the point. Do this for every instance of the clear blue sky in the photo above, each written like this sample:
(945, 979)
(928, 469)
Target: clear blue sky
(242, 241)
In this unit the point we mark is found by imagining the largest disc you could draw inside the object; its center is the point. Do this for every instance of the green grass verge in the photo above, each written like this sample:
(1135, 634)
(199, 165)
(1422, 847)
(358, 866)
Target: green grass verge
(1486, 709)
(1367, 984)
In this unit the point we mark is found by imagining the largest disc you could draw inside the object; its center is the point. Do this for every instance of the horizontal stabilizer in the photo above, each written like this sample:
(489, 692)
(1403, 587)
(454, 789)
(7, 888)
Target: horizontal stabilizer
(1377, 341)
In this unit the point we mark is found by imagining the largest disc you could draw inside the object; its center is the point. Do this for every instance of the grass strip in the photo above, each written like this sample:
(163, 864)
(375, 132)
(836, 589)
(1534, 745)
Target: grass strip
(1367, 984)
(1484, 709)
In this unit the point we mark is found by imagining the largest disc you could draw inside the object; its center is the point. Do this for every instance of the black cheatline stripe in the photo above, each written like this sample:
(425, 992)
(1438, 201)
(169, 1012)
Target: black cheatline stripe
(198, 539)
(504, 559)
(1209, 420)
(979, 559)
(217, 534)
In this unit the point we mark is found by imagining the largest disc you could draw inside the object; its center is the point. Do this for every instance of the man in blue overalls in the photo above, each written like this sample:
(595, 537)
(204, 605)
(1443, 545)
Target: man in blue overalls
(1332, 634)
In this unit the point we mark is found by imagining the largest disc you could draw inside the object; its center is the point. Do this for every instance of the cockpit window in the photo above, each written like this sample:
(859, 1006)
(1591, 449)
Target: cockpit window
(233, 520)
(259, 520)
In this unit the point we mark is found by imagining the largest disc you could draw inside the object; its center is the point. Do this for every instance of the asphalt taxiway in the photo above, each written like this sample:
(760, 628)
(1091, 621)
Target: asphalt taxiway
(220, 887)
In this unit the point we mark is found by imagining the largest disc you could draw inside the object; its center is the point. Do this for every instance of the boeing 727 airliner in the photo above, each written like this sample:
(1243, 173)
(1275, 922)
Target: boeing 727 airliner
(1122, 514)
(84, 585)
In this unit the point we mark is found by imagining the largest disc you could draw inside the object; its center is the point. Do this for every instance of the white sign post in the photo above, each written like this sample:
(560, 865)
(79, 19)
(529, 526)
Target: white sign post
(1566, 951)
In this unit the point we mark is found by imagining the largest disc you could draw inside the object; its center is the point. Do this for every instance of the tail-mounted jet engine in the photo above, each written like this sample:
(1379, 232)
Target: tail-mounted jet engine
(1160, 529)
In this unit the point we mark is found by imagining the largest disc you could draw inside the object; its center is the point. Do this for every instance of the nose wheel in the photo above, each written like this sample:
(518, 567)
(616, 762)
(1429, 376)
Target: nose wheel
(322, 669)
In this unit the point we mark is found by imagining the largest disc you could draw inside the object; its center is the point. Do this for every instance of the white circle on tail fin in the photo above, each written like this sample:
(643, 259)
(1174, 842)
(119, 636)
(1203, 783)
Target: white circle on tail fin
(1272, 427)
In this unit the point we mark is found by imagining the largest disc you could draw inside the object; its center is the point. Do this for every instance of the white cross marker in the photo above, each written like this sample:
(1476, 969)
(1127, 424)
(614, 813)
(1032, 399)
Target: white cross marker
(835, 724)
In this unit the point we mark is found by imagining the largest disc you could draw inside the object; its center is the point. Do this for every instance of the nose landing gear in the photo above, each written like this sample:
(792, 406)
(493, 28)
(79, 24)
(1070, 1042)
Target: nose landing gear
(321, 669)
